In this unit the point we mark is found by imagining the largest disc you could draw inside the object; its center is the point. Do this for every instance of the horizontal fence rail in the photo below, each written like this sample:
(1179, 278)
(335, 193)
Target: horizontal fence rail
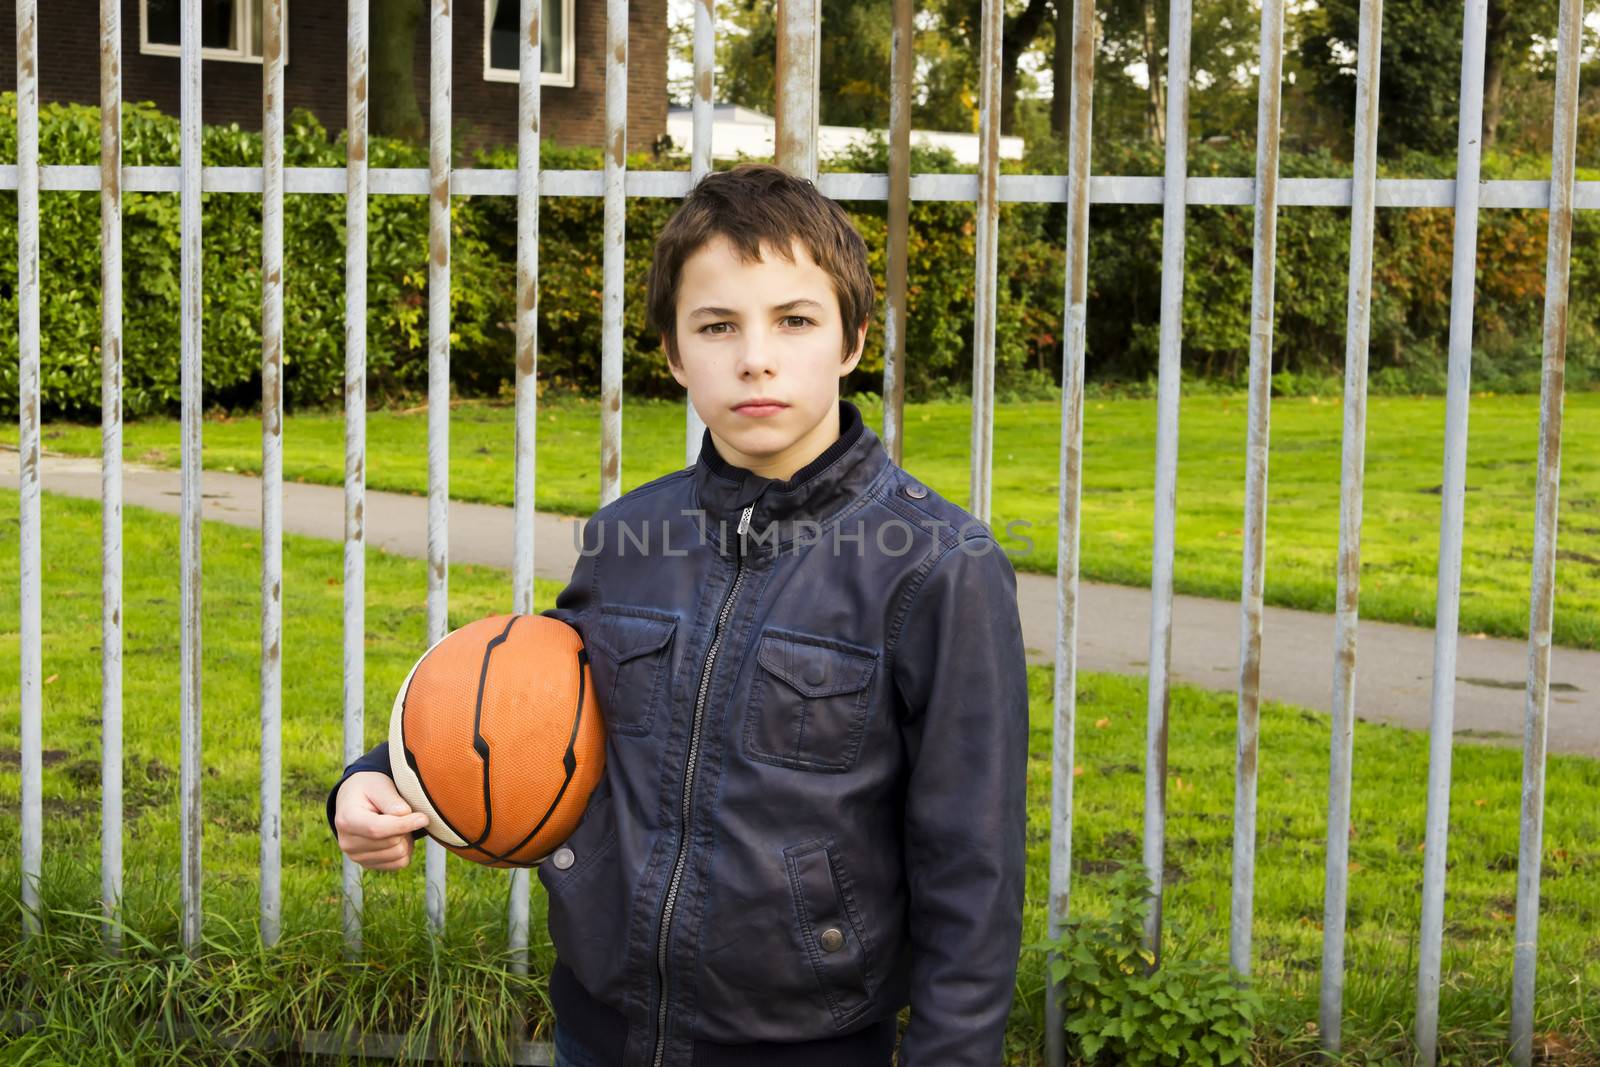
(797, 48)
(674, 184)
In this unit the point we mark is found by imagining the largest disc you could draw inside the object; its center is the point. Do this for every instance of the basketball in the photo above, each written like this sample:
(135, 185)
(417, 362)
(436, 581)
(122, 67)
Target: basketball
(496, 736)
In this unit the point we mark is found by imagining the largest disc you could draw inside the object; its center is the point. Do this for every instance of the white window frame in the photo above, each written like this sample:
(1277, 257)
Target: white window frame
(568, 76)
(245, 28)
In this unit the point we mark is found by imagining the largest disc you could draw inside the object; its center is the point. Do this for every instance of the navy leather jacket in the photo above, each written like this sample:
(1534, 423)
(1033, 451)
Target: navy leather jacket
(813, 807)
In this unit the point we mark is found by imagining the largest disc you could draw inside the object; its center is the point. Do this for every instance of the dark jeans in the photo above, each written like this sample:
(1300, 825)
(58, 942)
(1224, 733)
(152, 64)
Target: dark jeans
(569, 1053)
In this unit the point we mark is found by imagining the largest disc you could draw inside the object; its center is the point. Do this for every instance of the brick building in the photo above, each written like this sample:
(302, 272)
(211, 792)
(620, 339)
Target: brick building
(484, 57)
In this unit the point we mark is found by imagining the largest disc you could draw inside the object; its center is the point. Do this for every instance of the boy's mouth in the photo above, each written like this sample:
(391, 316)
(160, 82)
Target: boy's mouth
(760, 406)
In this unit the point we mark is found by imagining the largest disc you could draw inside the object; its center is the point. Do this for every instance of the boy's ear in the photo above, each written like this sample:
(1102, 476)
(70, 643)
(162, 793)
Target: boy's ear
(674, 365)
(855, 356)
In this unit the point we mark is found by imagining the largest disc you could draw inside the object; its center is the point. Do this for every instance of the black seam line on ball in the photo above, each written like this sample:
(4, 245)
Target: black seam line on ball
(569, 762)
(479, 745)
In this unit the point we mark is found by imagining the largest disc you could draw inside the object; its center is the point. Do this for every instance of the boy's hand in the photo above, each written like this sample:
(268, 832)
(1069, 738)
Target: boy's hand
(374, 822)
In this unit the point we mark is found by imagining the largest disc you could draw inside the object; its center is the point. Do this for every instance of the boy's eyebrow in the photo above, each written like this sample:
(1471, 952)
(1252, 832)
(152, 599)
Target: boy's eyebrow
(793, 304)
(729, 313)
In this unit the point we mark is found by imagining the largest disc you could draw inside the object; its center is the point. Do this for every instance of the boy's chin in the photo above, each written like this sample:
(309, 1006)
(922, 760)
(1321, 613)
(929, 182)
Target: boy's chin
(762, 443)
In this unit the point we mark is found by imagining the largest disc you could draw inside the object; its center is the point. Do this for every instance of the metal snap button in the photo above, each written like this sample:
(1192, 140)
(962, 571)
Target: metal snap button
(915, 491)
(815, 673)
(832, 939)
(563, 858)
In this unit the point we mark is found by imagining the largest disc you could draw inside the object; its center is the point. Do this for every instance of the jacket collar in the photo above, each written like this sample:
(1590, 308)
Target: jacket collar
(814, 494)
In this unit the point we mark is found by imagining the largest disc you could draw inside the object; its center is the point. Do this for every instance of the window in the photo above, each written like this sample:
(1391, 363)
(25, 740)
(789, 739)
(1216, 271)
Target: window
(229, 29)
(501, 33)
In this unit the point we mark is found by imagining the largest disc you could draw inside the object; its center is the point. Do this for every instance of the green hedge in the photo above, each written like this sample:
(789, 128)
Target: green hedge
(1410, 312)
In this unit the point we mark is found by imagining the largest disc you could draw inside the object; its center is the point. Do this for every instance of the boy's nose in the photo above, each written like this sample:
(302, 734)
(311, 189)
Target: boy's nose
(756, 355)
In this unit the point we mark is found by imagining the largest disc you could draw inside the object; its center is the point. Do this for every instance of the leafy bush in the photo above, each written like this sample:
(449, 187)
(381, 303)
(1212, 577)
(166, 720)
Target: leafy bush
(1118, 1011)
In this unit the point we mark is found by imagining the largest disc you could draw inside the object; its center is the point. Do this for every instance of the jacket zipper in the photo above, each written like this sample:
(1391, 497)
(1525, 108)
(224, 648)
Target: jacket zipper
(688, 791)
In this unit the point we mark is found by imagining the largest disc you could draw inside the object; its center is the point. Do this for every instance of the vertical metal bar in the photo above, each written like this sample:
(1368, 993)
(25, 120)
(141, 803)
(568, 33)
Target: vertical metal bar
(894, 309)
(613, 250)
(28, 447)
(527, 356)
(438, 379)
(111, 470)
(988, 256)
(1079, 140)
(1358, 310)
(1255, 488)
(271, 469)
(705, 43)
(798, 61)
(1541, 605)
(1174, 187)
(189, 527)
(1452, 505)
(355, 427)
(527, 396)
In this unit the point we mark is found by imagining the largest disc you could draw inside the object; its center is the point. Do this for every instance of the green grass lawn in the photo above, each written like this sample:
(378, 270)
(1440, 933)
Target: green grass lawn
(1400, 536)
(91, 1005)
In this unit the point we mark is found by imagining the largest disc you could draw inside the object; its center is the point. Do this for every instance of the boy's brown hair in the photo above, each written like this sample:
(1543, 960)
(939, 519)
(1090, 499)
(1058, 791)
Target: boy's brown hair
(751, 204)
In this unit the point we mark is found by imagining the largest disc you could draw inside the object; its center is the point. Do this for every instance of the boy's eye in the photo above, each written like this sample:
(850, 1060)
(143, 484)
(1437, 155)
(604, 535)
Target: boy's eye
(716, 327)
(796, 320)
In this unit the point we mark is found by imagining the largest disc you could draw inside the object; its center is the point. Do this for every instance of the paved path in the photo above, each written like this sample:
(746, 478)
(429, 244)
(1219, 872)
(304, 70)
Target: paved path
(1394, 675)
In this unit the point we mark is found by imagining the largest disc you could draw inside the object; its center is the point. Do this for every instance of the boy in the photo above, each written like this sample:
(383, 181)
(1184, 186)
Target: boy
(815, 692)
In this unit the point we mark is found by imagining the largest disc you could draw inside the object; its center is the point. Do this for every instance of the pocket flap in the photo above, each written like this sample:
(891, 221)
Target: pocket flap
(628, 636)
(812, 669)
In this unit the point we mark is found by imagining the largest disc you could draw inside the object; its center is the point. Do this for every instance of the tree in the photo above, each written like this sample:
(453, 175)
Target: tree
(392, 91)
(1420, 81)
(961, 21)
(856, 43)
(1061, 71)
(856, 53)
(1512, 27)
(1131, 69)
(1018, 36)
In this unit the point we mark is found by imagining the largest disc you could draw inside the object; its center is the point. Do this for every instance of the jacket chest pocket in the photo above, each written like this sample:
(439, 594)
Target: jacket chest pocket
(808, 701)
(632, 673)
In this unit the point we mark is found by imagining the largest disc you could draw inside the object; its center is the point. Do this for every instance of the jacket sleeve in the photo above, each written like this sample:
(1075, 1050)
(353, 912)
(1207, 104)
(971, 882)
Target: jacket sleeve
(961, 671)
(571, 607)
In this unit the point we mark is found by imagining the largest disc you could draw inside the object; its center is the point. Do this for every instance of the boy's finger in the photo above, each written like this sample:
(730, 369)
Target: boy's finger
(415, 820)
(367, 854)
(379, 825)
(389, 858)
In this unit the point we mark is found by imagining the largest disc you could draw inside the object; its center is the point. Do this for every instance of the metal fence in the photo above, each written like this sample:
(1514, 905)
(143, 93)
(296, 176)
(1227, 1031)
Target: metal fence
(797, 115)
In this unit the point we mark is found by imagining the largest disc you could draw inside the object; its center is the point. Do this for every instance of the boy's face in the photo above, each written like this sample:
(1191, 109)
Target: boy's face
(769, 328)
